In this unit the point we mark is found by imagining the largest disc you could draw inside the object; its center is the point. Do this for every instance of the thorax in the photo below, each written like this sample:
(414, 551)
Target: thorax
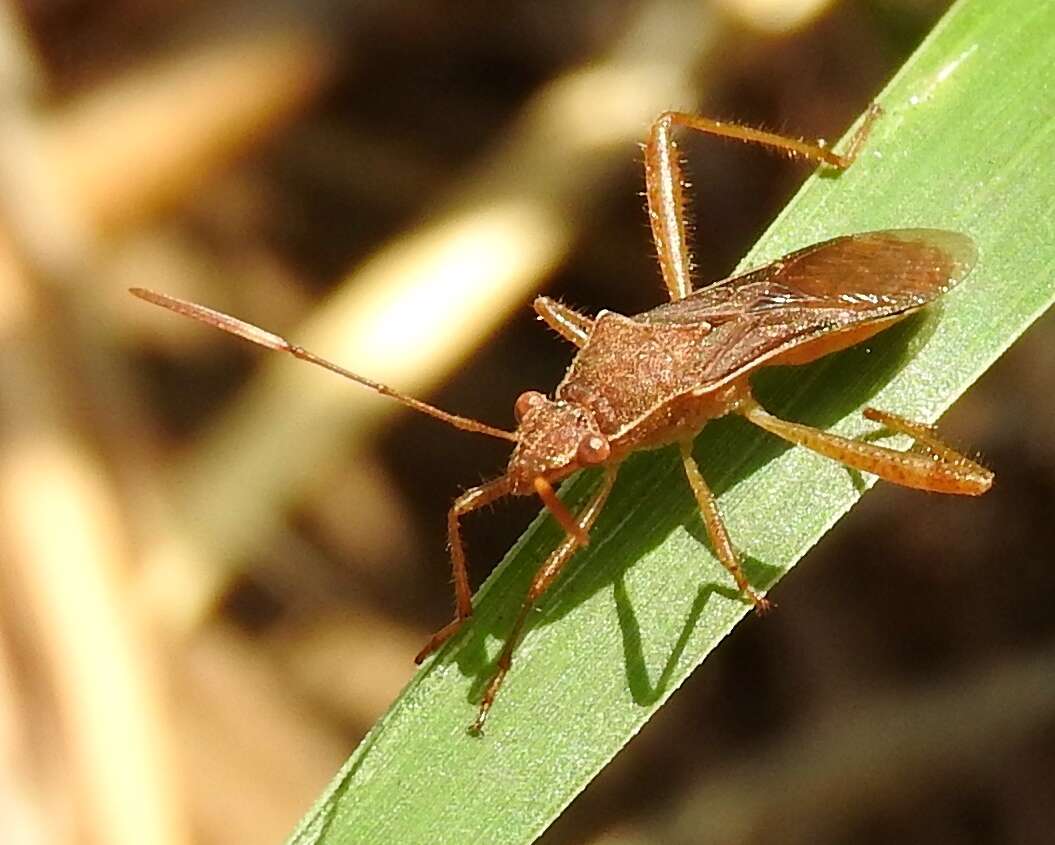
(641, 381)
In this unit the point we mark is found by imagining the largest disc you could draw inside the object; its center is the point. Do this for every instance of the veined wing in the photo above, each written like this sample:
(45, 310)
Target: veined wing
(869, 275)
(829, 287)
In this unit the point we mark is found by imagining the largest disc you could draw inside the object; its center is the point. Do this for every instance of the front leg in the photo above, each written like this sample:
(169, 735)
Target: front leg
(544, 578)
(468, 501)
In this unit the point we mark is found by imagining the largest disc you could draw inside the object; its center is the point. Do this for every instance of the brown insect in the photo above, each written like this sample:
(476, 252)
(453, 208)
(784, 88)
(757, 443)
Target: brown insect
(656, 378)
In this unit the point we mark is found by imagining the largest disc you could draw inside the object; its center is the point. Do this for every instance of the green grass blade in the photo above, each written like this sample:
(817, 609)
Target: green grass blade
(967, 143)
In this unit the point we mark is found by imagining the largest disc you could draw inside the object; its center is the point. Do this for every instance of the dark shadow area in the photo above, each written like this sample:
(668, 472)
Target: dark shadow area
(644, 690)
(858, 371)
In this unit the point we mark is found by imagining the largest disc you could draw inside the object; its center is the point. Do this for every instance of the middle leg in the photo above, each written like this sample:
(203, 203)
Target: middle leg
(565, 321)
(723, 546)
(468, 501)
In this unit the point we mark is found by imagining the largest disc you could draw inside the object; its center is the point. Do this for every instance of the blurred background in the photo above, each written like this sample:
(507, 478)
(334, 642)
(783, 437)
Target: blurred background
(217, 565)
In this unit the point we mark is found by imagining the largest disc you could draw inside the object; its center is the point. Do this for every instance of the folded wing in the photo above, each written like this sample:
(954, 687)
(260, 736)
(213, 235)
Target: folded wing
(836, 286)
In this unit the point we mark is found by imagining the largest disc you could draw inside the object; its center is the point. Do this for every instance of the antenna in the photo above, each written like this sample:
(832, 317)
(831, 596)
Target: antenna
(261, 337)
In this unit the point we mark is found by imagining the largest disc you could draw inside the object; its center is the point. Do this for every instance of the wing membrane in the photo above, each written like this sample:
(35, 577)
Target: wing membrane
(834, 286)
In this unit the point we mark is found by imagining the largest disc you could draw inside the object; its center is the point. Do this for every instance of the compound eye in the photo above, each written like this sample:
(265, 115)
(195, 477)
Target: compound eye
(593, 449)
(526, 401)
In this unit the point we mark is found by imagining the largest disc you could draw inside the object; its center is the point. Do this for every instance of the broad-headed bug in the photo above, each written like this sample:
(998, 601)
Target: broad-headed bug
(656, 378)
